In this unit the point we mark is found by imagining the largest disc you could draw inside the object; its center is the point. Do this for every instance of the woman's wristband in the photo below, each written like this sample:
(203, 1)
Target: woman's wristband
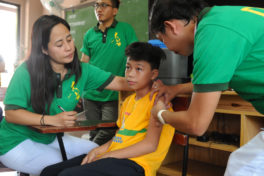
(160, 117)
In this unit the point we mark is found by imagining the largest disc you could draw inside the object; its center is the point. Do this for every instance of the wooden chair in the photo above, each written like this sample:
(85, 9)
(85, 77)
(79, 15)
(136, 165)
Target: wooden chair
(183, 140)
(182, 103)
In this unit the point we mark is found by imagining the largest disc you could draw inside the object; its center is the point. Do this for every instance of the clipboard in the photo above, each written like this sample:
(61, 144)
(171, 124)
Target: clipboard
(81, 116)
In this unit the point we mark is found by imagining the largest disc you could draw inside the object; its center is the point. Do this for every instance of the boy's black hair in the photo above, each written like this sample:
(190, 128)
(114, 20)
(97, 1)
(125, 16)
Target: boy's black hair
(142, 51)
(115, 3)
(165, 10)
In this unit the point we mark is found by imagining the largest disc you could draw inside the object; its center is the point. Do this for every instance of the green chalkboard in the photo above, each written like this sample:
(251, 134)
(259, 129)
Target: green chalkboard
(134, 12)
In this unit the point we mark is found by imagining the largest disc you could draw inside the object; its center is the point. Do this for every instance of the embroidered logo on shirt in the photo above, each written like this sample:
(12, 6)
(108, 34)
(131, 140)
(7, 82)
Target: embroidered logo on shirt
(75, 90)
(117, 39)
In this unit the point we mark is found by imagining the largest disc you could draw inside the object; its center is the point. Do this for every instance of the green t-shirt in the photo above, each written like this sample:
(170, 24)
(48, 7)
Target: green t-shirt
(107, 51)
(18, 97)
(229, 52)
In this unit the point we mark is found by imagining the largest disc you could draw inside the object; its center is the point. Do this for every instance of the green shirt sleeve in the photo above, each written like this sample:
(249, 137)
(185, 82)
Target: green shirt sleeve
(218, 51)
(18, 91)
(97, 79)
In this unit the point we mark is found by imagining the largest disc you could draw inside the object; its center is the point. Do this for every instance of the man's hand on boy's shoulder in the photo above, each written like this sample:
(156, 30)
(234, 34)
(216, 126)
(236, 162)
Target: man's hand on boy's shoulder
(162, 90)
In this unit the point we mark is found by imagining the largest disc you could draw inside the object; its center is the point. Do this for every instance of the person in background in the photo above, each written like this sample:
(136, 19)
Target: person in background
(104, 46)
(227, 43)
(139, 146)
(52, 76)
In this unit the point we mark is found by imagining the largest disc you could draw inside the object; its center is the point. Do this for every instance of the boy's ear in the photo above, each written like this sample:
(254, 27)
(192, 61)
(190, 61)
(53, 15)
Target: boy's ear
(155, 74)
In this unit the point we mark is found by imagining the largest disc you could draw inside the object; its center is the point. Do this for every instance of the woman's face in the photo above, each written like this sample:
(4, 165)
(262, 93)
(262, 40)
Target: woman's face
(61, 46)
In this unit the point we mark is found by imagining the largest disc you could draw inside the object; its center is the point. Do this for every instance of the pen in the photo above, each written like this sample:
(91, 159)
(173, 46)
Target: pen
(61, 108)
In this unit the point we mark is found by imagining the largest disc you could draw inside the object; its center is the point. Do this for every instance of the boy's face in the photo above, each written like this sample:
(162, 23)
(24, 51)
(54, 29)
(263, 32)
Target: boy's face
(104, 11)
(139, 74)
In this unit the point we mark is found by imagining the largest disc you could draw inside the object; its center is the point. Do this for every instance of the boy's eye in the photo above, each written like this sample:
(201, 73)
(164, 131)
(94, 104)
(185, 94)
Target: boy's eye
(139, 69)
(127, 67)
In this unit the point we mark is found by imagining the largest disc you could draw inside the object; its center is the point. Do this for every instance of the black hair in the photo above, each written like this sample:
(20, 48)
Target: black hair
(142, 51)
(115, 3)
(164, 10)
(38, 63)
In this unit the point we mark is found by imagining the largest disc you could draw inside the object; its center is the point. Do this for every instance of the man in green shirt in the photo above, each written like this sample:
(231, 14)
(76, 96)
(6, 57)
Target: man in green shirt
(104, 46)
(227, 43)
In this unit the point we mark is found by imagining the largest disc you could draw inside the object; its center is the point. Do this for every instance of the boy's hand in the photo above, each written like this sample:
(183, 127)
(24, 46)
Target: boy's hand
(90, 157)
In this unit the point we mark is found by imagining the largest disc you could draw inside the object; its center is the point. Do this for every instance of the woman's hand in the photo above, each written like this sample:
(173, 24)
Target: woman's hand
(62, 119)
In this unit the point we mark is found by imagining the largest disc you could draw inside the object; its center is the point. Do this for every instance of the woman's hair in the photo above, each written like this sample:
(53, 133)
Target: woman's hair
(142, 51)
(165, 10)
(39, 67)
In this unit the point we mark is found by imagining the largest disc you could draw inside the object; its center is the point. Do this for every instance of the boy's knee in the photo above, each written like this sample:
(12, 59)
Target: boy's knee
(67, 172)
(45, 172)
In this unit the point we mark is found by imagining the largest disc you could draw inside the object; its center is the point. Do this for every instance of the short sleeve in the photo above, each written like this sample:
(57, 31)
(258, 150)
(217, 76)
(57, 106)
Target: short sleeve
(218, 51)
(18, 91)
(97, 79)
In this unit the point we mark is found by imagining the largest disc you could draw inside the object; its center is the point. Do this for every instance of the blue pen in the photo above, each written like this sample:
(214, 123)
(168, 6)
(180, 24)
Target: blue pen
(61, 108)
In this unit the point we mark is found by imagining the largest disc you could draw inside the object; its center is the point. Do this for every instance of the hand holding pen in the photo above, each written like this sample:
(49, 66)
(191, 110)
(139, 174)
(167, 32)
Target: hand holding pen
(61, 108)
(65, 118)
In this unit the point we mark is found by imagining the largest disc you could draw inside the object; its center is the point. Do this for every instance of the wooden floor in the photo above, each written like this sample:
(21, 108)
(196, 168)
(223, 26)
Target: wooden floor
(195, 168)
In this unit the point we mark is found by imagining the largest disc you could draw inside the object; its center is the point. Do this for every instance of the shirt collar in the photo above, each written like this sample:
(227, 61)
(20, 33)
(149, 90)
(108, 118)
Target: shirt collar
(203, 12)
(113, 25)
(56, 81)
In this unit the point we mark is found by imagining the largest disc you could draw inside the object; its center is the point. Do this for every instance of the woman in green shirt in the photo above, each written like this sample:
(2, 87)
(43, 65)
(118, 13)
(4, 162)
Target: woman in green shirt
(52, 76)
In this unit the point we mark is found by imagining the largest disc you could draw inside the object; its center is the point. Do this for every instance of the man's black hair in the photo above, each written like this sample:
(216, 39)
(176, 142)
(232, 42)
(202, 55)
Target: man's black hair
(165, 10)
(115, 3)
(142, 51)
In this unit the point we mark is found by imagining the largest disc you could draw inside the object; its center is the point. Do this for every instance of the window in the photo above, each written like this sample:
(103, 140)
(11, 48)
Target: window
(9, 38)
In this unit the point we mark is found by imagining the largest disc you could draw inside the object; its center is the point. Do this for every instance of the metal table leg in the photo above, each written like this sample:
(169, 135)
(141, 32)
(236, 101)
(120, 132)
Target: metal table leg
(62, 148)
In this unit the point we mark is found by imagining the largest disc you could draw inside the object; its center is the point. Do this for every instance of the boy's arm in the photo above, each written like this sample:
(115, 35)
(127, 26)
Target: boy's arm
(148, 145)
